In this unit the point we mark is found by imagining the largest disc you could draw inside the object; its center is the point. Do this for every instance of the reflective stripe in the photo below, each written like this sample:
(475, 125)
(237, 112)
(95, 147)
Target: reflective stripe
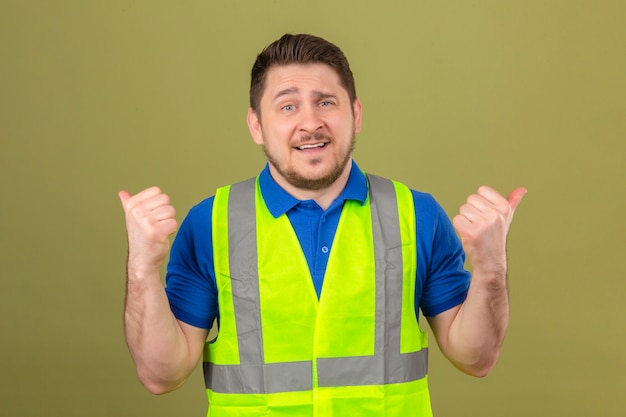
(253, 375)
(244, 273)
(259, 379)
(388, 365)
(372, 370)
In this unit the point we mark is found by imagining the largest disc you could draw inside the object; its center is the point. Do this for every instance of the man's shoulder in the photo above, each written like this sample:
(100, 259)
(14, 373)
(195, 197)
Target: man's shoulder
(203, 206)
(198, 216)
(424, 199)
(424, 202)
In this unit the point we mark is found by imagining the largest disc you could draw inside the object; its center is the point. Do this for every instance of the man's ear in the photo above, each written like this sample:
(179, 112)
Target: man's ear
(357, 111)
(254, 125)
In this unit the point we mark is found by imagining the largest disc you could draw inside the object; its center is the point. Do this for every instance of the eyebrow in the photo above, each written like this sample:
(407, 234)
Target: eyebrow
(285, 92)
(295, 90)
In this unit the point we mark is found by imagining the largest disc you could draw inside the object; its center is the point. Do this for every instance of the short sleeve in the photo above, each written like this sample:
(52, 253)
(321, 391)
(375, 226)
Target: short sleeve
(190, 279)
(442, 280)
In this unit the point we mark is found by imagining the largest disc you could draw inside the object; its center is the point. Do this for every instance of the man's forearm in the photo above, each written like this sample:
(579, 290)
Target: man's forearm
(155, 340)
(478, 330)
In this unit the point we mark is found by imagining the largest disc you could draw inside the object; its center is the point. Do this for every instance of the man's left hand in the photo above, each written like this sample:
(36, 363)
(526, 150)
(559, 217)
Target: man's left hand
(483, 223)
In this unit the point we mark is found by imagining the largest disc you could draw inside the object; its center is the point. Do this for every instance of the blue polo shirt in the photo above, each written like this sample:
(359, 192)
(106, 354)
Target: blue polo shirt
(441, 280)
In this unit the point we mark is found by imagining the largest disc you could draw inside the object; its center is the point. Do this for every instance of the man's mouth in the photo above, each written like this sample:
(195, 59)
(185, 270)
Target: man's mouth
(311, 146)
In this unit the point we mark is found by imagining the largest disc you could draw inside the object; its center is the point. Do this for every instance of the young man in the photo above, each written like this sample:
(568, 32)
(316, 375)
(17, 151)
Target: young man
(314, 270)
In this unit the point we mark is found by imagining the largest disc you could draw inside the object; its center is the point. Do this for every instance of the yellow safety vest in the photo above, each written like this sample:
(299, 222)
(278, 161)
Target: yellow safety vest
(357, 351)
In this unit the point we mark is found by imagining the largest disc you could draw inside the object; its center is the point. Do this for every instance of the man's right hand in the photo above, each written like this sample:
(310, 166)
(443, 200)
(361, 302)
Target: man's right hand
(150, 219)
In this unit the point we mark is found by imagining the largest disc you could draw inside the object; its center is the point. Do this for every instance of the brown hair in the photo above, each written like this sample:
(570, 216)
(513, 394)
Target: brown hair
(299, 49)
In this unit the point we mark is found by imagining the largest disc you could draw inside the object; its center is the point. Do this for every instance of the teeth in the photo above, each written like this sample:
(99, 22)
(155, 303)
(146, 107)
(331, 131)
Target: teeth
(318, 145)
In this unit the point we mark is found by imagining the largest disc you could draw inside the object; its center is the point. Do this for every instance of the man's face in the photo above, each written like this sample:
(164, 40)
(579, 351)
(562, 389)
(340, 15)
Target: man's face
(306, 125)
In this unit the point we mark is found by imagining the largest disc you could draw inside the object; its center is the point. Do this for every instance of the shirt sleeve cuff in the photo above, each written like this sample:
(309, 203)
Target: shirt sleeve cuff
(432, 311)
(190, 318)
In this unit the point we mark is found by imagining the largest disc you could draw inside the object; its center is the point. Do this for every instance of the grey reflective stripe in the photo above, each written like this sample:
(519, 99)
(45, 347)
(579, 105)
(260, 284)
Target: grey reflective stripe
(259, 379)
(372, 370)
(386, 366)
(244, 274)
(252, 376)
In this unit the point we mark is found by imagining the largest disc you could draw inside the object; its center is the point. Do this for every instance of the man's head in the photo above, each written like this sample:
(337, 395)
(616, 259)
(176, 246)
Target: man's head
(299, 49)
(304, 112)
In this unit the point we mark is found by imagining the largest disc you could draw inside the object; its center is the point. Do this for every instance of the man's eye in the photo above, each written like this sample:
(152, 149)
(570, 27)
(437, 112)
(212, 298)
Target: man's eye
(326, 103)
(289, 107)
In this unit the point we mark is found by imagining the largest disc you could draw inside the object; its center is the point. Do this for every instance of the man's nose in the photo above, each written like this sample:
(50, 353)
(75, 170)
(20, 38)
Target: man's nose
(310, 120)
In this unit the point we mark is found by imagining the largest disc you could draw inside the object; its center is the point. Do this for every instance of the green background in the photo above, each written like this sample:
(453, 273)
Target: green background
(98, 96)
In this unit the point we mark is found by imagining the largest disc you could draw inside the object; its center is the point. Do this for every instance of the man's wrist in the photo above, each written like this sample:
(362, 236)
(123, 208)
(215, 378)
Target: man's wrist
(492, 274)
(141, 271)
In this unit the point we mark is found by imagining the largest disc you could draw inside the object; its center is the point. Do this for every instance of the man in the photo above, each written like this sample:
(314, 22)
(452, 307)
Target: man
(314, 270)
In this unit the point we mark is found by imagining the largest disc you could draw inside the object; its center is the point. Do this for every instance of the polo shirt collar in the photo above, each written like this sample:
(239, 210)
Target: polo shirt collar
(279, 201)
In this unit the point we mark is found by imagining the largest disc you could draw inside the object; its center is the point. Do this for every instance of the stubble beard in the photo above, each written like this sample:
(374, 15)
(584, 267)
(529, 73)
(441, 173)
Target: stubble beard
(302, 182)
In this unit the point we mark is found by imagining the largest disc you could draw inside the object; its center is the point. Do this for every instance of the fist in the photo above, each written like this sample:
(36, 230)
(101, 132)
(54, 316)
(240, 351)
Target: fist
(150, 219)
(483, 224)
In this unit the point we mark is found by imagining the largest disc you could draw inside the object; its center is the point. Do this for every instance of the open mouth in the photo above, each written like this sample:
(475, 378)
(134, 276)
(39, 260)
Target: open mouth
(311, 146)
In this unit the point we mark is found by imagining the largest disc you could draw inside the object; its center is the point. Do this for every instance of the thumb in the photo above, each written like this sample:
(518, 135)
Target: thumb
(124, 197)
(516, 196)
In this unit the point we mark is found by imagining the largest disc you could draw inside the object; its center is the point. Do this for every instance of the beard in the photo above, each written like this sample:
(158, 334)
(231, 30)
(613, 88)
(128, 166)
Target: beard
(299, 180)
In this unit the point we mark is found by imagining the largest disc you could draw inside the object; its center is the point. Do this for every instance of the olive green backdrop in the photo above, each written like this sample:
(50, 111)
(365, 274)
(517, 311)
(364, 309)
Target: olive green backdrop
(97, 96)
